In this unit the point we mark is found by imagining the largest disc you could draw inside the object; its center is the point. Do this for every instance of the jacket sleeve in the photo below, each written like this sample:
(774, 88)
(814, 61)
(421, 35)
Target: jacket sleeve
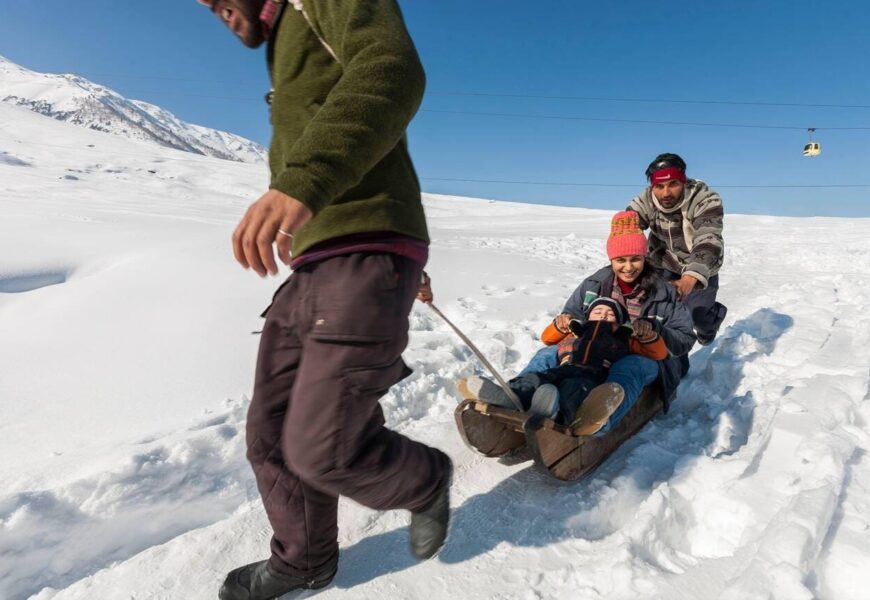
(708, 246)
(551, 335)
(575, 303)
(656, 349)
(642, 206)
(677, 330)
(366, 113)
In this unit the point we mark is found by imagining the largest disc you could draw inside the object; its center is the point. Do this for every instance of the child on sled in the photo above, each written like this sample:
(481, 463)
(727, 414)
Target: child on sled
(574, 392)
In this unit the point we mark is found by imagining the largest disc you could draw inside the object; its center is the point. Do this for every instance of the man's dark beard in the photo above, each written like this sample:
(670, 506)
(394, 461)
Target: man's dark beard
(250, 10)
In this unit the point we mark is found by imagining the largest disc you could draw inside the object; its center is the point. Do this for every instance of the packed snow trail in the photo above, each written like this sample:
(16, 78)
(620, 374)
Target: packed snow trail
(737, 487)
(125, 340)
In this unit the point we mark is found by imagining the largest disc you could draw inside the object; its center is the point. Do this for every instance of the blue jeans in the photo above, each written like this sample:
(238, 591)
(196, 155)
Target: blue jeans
(545, 358)
(633, 373)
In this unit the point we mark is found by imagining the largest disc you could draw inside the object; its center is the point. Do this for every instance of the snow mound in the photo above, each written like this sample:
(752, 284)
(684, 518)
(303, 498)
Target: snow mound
(76, 100)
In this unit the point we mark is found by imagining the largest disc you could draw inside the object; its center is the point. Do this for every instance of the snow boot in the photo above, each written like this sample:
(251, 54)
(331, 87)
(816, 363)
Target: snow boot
(260, 581)
(430, 524)
(597, 408)
(485, 390)
(705, 340)
(707, 322)
(545, 401)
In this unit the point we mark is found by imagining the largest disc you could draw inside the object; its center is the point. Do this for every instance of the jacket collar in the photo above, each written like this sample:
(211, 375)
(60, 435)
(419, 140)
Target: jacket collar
(275, 20)
(675, 207)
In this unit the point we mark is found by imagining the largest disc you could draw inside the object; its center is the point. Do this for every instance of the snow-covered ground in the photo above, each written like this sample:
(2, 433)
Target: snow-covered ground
(126, 360)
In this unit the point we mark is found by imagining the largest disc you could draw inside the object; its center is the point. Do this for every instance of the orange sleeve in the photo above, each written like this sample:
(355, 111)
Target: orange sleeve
(656, 349)
(551, 335)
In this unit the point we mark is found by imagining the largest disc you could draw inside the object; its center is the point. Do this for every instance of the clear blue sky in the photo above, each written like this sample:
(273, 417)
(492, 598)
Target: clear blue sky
(174, 54)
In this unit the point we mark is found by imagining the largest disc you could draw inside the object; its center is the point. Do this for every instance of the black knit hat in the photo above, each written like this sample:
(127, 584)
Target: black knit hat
(616, 307)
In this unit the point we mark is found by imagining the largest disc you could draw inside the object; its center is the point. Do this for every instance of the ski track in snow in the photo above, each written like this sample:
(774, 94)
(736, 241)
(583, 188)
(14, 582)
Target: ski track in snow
(755, 485)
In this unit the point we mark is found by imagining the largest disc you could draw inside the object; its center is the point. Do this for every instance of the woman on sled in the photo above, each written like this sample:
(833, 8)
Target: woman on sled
(621, 330)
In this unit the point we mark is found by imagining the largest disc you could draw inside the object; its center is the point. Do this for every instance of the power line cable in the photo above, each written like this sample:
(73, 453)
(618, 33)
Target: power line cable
(60, 179)
(539, 116)
(649, 100)
(534, 96)
(636, 121)
(546, 117)
(454, 179)
(635, 185)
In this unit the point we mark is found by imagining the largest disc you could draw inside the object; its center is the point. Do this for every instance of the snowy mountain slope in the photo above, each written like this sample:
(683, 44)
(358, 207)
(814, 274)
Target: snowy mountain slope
(76, 100)
(127, 356)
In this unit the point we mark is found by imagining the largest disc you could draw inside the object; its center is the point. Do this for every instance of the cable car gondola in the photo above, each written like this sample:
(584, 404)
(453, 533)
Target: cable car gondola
(812, 148)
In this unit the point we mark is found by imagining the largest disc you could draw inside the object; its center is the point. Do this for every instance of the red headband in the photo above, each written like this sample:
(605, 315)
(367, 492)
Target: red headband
(663, 175)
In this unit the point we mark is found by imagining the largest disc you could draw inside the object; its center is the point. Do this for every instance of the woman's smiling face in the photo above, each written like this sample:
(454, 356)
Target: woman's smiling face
(627, 268)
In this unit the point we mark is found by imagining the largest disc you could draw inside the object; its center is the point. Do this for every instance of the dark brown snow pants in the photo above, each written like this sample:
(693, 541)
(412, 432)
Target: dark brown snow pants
(331, 347)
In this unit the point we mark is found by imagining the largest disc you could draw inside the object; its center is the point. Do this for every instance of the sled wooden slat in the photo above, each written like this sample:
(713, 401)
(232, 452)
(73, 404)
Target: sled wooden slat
(494, 431)
(490, 430)
(569, 458)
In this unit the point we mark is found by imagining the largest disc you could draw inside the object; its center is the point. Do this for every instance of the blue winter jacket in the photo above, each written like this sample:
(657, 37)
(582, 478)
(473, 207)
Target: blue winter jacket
(670, 317)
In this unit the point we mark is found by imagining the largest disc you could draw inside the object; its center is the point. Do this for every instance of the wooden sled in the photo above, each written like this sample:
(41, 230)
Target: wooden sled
(495, 431)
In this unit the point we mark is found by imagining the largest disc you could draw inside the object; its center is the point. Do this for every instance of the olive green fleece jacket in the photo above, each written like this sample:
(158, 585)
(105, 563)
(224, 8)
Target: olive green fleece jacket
(347, 81)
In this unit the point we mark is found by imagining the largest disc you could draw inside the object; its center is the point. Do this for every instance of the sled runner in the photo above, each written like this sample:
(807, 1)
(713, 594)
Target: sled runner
(494, 431)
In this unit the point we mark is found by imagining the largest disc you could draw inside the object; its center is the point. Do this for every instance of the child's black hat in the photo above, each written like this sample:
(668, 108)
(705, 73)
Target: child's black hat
(616, 307)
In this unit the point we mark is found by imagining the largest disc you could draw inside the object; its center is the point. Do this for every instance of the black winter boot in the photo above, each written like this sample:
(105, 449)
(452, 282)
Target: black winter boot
(259, 581)
(429, 525)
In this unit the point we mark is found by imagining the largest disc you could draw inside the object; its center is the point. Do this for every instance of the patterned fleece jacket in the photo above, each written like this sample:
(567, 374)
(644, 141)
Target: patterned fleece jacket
(685, 239)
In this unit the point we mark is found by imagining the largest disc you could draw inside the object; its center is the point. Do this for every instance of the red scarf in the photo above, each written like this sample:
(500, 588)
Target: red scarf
(626, 288)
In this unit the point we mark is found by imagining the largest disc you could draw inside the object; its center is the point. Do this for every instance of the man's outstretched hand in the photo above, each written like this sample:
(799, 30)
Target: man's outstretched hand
(684, 285)
(259, 229)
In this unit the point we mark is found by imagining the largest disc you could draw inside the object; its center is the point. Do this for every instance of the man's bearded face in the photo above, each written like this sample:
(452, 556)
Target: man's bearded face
(242, 17)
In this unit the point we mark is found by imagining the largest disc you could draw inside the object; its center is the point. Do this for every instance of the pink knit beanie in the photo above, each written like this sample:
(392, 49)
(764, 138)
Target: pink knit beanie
(626, 238)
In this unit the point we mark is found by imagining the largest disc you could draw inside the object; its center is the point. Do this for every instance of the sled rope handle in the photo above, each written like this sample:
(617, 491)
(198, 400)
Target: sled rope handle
(501, 382)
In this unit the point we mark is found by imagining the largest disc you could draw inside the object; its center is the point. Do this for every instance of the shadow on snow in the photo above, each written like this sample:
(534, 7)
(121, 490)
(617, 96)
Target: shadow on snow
(531, 509)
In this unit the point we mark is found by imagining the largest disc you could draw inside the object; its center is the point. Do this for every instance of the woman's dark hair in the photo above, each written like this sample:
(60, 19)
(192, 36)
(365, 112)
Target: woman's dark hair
(649, 279)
